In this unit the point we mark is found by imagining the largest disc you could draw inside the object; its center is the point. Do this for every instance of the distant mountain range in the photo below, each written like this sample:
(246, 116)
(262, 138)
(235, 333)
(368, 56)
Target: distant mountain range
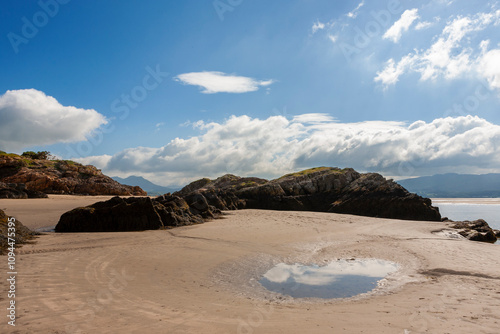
(454, 185)
(148, 186)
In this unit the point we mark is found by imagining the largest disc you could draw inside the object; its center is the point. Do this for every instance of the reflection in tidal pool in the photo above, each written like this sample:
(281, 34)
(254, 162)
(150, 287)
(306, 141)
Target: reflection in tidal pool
(338, 279)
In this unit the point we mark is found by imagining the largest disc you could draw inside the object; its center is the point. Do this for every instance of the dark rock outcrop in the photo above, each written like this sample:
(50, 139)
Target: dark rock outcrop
(477, 230)
(137, 214)
(9, 191)
(57, 177)
(22, 233)
(19, 191)
(116, 214)
(319, 189)
(322, 189)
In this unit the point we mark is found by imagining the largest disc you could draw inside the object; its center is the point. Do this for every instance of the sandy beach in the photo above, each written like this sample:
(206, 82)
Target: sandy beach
(203, 278)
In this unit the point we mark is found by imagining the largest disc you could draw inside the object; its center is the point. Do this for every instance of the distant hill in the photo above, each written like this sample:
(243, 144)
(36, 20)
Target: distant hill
(148, 186)
(454, 185)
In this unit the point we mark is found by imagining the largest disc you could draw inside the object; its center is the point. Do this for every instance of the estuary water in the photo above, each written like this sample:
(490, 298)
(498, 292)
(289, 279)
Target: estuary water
(470, 209)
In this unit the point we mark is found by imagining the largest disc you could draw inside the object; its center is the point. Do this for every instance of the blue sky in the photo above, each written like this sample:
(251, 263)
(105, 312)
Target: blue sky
(177, 90)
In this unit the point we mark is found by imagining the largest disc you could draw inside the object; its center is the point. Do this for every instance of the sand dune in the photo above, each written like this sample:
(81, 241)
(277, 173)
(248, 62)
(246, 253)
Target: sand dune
(202, 279)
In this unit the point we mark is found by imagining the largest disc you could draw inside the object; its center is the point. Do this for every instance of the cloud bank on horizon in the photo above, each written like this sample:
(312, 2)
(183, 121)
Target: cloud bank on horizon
(269, 147)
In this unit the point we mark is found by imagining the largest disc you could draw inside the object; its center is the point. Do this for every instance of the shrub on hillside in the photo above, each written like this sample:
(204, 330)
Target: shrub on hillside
(40, 155)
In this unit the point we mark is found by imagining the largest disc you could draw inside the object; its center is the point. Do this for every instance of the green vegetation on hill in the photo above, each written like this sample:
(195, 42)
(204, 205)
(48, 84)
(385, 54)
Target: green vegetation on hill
(39, 160)
(313, 170)
(11, 155)
(40, 155)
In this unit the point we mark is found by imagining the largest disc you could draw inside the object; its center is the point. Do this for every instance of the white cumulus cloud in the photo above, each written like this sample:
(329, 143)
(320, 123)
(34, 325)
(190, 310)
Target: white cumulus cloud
(29, 117)
(276, 145)
(391, 73)
(219, 82)
(451, 55)
(489, 67)
(395, 32)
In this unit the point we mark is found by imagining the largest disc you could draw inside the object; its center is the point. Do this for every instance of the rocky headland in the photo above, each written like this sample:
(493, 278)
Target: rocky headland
(29, 177)
(323, 189)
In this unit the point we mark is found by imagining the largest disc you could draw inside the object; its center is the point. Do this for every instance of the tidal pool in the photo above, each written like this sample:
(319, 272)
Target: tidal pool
(338, 279)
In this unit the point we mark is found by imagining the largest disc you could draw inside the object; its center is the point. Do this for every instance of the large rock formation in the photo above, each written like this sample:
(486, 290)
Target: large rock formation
(137, 214)
(323, 189)
(22, 233)
(318, 189)
(37, 176)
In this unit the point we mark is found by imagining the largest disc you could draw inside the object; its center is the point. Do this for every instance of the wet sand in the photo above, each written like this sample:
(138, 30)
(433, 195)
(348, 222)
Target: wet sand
(202, 279)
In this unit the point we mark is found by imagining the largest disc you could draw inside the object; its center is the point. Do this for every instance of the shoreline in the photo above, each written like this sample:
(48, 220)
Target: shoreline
(478, 200)
(44, 213)
(202, 278)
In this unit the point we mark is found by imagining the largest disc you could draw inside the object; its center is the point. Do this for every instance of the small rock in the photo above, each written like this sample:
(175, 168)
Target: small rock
(477, 230)
(497, 233)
